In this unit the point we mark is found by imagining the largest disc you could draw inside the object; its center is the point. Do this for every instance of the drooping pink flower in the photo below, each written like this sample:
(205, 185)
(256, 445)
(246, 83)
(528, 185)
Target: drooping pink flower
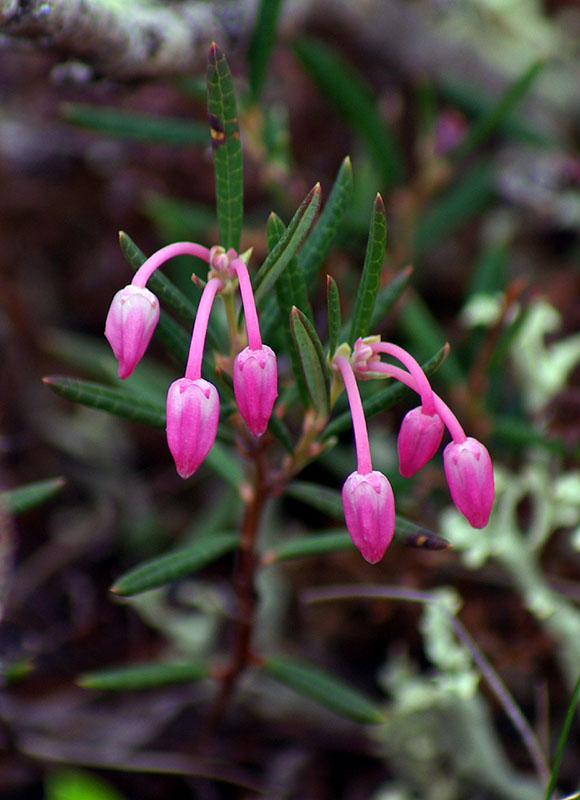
(469, 474)
(193, 410)
(256, 386)
(419, 439)
(369, 512)
(131, 320)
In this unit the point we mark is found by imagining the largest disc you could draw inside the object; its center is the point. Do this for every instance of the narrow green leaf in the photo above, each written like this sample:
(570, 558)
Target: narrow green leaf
(105, 398)
(136, 125)
(563, 739)
(466, 197)
(277, 427)
(519, 431)
(318, 242)
(262, 43)
(159, 284)
(354, 100)
(178, 219)
(371, 274)
(227, 149)
(329, 501)
(424, 332)
(222, 463)
(318, 544)
(384, 398)
(325, 689)
(494, 118)
(334, 318)
(21, 499)
(388, 295)
(143, 676)
(167, 568)
(312, 361)
(288, 244)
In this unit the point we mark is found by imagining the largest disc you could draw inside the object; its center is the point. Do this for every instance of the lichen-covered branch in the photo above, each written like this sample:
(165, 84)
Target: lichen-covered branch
(127, 40)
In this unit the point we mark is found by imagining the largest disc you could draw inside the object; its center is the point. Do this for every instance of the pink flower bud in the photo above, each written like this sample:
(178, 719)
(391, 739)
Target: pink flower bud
(470, 477)
(419, 439)
(256, 386)
(131, 320)
(369, 511)
(193, 410)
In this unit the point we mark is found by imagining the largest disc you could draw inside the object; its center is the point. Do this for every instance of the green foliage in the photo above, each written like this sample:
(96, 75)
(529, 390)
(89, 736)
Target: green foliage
(371, 274)
(143, 676)
(74, 784)
(23, 498)
(262, 43)
(312, 360)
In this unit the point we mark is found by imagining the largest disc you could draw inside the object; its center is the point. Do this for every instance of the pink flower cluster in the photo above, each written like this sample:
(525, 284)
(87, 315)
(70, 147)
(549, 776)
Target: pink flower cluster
(193, 405)
(368, 501)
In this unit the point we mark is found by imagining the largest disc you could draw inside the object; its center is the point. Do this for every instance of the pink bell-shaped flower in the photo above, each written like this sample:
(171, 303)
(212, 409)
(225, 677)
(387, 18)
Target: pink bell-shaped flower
(131, 320)
(419, 439)
(256, 386)
(369, 511)
(193, 410)
(469, 474)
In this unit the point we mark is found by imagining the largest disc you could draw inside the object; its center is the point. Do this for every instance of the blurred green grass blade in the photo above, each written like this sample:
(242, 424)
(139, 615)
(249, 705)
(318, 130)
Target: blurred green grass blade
(67, 783)
(279, 258)
(143, 676)
(520, 432)
(318, 544)
(387, 296)
(136, 125)
(329, 501)
(325, 689)
(563, 739)
(384, 398)
(371, 273)
(23, 498)
(178, 219)
(477, 103)
(424, 332)
(222, 463)
(105, 398)
(174, 337)
(490, 272)
(312, 360)
(467, 196)
(487, 124)
(178, 564)
(334, 316)
(277, 427)
(227, 149)
(317, 244)
(261, 44)
(354, 100)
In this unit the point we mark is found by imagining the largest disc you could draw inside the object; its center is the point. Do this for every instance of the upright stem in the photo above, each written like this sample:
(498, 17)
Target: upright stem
(148, 267)
(421, 381)
(193, 368)
(359, 425)
(451, 422)
(250, 313)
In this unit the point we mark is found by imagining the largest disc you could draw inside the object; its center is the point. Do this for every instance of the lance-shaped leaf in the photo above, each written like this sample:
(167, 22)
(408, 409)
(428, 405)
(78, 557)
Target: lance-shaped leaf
(334, 318)
(262, 43)
(227, 149)
(312, 360)
(105, 398)
(136, 125)
(494, 118)
(319, 240)
(384, 398)
(329, 501)
(371, 274)
(143, 676)
(288, 244)
(388, 296)
(325, 689)
(277, 427)
(23, 498)
(354, 99)
(167, 568)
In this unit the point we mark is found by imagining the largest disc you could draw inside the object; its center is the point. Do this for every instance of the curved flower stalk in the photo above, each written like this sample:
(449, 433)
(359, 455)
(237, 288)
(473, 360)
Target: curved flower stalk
(192, 409)
(367, 496)
(466, 461)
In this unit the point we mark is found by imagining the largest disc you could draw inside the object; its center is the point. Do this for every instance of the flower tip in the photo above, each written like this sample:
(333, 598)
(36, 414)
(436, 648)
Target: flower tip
(255, 378)
(469, 474)
(419, 439)
(369, 512)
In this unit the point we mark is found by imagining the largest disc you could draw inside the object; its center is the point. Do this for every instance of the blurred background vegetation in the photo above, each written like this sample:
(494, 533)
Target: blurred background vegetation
(465, 116)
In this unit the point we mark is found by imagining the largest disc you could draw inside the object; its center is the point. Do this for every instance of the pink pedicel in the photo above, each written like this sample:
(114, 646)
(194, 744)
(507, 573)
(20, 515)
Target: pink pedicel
(369, 512)
(419, 438)
(132, 318)
(469, 474)
(256, 386)
(193, 410)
